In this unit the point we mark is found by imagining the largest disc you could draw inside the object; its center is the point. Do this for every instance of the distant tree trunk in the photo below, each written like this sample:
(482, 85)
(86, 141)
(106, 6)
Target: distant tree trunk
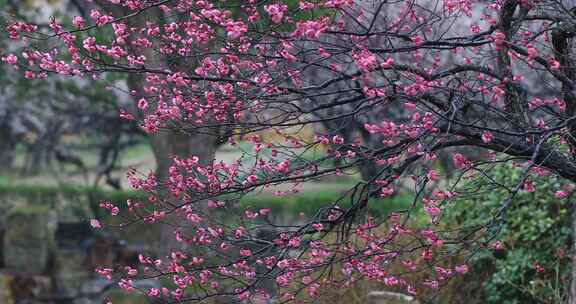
(167, 144)
(7, 150)
(33, 163)
(369, 169)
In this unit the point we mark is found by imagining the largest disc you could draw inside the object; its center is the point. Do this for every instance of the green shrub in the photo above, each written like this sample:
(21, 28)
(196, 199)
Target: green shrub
(310, 202)
(49, 195)
(535, 230)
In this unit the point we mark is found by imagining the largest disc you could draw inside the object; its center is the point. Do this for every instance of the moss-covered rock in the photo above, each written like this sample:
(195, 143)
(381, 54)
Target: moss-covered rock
(28, 239)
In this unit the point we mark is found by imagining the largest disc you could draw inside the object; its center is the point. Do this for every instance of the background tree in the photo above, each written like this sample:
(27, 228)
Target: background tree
(47, 119)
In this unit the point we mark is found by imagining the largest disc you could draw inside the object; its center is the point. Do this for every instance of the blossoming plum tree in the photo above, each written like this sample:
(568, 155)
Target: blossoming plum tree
(413, 77)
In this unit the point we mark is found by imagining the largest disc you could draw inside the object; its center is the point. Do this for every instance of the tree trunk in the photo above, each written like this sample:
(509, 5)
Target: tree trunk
(562, 43)
(572, 291)
(170, 143)
(7, 150)
(166, 143)
(369, 170)
(34, 156)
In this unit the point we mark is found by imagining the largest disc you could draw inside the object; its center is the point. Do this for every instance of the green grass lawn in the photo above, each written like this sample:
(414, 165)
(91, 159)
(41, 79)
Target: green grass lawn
(313, 195)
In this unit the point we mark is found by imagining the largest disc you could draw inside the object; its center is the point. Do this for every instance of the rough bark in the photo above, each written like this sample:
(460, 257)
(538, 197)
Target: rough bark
(562, 44)
(572, 291)
(515, 102)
